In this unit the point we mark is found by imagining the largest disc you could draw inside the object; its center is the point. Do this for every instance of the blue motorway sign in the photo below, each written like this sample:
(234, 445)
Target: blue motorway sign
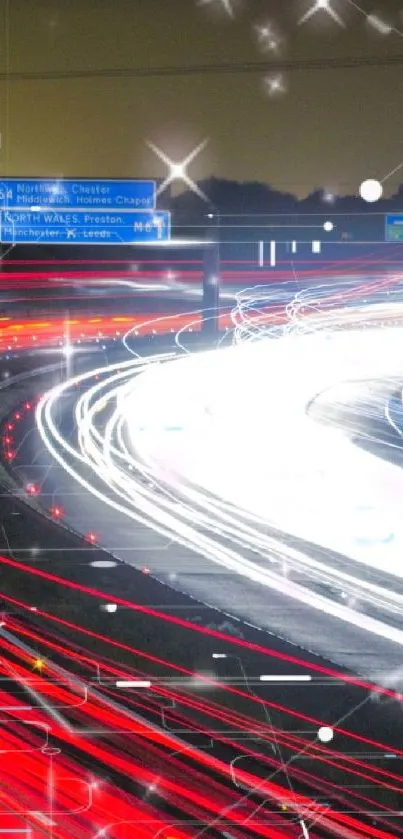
(394, 228)
(90, 228)
(36, 193)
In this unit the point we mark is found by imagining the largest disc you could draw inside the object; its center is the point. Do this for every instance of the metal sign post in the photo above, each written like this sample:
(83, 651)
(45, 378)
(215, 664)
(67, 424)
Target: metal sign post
(211, 276)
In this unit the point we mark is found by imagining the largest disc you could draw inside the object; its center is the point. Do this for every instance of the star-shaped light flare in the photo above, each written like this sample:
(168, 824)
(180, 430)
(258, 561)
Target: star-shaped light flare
(267, 38)
(178, 171)
(274, 84)
(225, 4)
(324, 6)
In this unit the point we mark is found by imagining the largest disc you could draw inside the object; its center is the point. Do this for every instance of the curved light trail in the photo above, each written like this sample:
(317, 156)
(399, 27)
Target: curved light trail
(212, 449)
(244, 455)
(143, 734)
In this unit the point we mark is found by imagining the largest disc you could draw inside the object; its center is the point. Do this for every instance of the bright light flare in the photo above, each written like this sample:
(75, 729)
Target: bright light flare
(322, 6)
(275, 84)
(32, 489)
(68, 350)
(371, 190)
(178, 171)
(267, 37)
(180, 423)
(57, 512)
(379, 25)
(325, 734)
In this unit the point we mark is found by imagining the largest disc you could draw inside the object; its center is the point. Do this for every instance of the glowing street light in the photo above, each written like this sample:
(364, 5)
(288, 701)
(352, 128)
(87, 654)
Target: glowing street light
(324, 6)
(371, 190)
(178, 171)
(68, 350)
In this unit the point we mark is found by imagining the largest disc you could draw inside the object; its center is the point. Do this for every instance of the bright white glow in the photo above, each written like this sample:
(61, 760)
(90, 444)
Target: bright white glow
(68, 350)
(325, 734)
(267, 38)
(122, 683)
(178, 171)
(275, 84)
(180, 422)
(110, 607)
(103, 563)
(324, 6)
(285, 678)
(371, 190)
(219, 655)
(328, 226)
(225, 4)
(380, 25)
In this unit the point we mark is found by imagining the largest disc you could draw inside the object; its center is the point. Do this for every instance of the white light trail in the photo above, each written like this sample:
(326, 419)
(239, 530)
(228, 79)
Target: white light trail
(375, 22)
(178, 423)
(279, 678)
(380, 25)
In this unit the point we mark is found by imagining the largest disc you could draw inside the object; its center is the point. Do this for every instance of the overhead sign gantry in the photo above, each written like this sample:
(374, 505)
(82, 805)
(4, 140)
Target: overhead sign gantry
(394, 228)
(66, 211)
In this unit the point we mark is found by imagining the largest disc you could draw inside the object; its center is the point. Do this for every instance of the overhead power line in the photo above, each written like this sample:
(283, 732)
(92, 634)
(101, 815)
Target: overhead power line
(208, 69)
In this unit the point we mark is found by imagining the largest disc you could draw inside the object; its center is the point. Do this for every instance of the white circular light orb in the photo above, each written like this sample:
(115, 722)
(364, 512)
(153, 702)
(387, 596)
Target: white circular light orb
(371, 190)
(110, 607)
(328, 226)
(325, 734)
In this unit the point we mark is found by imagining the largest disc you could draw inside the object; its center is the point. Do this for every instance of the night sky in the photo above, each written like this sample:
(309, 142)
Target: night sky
(331, 128)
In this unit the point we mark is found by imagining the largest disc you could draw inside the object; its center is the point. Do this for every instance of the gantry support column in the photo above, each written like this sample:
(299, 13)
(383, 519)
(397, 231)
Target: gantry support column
(211, 276)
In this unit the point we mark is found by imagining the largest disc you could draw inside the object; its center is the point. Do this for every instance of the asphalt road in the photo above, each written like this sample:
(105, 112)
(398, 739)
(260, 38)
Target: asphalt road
(44, 545)
(185, 571)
